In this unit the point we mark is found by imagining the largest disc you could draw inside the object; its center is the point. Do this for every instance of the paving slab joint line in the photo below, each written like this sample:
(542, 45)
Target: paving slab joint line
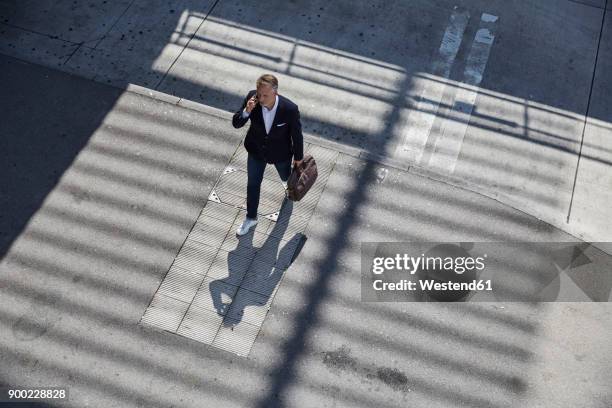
(191, 37)
(362, 154)
(588, 109)
(588, 4)
(99, 41)
(28, 30)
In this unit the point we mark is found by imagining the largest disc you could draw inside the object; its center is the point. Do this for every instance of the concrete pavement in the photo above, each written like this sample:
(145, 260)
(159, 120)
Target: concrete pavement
(82, 268)
(367, 86)
(102, 187)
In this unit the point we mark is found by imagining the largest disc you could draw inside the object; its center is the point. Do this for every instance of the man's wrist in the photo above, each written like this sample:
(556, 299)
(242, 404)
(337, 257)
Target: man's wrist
(245, 114)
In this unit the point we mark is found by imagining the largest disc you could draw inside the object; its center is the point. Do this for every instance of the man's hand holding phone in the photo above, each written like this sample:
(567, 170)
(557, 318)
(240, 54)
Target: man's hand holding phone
(251, 103)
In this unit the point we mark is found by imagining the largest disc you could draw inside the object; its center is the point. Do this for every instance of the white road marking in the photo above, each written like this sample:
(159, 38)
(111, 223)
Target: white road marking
(448, 145)
(422, 117)
(488, 18)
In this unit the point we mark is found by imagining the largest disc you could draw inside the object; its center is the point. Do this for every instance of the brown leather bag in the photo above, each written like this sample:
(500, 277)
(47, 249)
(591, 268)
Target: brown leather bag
(302, 178)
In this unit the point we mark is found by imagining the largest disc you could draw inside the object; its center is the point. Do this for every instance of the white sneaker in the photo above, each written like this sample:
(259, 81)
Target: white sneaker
(246, 226)
(284, 183)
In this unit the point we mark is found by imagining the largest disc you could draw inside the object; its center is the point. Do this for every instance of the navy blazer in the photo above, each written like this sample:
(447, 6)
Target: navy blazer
(285, 138)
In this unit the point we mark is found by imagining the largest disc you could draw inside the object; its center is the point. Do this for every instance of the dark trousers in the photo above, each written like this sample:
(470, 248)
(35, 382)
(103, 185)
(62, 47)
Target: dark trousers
(255, 169)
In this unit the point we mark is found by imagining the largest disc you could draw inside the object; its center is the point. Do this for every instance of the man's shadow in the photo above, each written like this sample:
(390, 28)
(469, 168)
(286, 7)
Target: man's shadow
(258, 270)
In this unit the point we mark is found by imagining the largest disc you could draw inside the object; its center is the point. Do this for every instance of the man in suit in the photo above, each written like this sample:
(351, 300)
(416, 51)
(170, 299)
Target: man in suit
(274, 136)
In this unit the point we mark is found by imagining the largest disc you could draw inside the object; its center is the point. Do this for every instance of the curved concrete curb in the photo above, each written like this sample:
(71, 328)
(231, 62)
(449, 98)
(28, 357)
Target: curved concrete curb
(510, 202)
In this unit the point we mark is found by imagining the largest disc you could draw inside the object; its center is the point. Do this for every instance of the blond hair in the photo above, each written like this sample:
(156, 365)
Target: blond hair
(268, 79)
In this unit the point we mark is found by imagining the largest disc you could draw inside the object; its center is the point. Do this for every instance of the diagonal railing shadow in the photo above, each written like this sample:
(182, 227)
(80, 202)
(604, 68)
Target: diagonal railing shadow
(293, 348)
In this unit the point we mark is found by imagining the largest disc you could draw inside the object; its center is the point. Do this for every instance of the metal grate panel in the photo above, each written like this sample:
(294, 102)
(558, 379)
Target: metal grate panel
(235, 183)
(236, 337)
(180, 284)
(200, 325)
(215, 295)
(220, 286)
(287, 226)
(262, 278)
(165, 313)
(231, 266)
(209, 231)
(195, 257)
(239, 160)
(278, 253)
(219, 211)
(236, 200)
(250, 307)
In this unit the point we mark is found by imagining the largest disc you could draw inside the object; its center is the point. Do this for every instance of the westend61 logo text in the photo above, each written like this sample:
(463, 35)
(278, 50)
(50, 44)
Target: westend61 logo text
(435, 272)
